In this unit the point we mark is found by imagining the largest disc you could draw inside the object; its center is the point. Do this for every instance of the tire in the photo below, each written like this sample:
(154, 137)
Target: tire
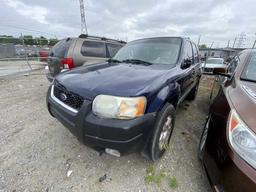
(192, 95)
(203, 138)
(165, 120)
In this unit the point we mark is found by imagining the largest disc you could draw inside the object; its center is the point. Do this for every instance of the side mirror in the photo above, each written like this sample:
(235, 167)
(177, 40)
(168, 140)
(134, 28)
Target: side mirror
(186, 64)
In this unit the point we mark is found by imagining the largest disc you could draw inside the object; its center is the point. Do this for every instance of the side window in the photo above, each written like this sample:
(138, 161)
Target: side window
(188, 51)
(93, 49)
(112, 49)
(195, 51)
(233, 64)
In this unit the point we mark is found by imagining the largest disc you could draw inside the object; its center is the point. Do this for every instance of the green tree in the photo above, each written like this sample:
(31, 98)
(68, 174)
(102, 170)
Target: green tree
(41, 41)
(10, 39)
(203, 46)
(52, 41)
(28, 39)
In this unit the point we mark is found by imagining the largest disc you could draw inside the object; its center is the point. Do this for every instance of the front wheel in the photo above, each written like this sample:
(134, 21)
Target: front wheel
(162, 132)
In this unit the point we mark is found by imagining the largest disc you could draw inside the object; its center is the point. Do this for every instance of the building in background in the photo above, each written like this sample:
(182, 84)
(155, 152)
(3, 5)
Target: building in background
(224, 53)
(7, 50)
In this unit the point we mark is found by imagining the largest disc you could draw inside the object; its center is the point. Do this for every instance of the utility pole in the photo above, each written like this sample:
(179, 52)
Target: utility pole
(199, 38)
(212, 44)
(25, 48)
(241, 40)
(234, 43)
(83, 23)
(254, 44)
(228, 43)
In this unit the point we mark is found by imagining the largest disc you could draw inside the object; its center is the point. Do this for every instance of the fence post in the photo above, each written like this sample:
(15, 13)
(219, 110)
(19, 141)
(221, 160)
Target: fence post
(23, 42)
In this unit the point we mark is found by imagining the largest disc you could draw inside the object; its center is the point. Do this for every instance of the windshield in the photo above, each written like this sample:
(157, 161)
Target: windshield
(249, 72)
(215, 61)
(156, 51)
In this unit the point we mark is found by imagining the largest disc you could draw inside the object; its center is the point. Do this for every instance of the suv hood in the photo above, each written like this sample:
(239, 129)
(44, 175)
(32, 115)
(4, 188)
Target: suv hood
(120, 79)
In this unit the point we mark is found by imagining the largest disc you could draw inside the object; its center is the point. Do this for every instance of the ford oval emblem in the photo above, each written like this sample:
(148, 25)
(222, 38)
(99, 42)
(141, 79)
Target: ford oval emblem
(63, 97)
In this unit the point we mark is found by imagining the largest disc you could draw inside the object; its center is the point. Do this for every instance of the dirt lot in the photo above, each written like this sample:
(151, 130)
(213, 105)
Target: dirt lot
(37, 152)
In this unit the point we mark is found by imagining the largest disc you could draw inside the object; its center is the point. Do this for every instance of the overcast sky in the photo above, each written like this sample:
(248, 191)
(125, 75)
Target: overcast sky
(214, 20)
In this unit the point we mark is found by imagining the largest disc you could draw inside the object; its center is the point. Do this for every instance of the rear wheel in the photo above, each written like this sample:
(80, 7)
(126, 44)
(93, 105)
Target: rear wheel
(162, 132)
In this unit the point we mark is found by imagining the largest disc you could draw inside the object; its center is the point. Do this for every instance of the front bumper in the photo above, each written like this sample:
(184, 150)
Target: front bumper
(226, 170)
(233, 176)
(101, 133)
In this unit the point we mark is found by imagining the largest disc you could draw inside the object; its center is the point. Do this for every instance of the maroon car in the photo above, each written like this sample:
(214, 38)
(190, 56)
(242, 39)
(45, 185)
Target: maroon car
(43, 54)
(228, 142)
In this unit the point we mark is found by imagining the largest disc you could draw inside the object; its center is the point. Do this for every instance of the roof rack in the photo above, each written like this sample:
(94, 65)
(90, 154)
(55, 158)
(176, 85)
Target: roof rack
(99, 38)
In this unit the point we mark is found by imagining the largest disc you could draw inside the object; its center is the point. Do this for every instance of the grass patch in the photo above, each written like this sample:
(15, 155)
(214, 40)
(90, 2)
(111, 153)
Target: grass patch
(150, 170)
(152, 176)
(173, 182)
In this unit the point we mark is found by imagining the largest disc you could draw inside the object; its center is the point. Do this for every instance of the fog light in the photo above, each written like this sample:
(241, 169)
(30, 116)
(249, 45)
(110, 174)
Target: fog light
(113, 152)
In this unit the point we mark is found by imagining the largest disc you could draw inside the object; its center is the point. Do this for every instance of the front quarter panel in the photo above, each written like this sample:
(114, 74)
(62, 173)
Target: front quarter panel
(170, 92)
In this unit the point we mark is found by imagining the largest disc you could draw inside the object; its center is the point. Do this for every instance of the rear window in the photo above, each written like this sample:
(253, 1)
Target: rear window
(61, 48)
(93, 49)
(113, 48)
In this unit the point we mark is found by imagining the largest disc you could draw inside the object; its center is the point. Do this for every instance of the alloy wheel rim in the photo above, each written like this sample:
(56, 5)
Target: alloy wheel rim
(165, 133)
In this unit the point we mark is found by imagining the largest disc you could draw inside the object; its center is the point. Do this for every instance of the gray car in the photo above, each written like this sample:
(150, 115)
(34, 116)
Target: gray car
(213, 63)
(74, 52)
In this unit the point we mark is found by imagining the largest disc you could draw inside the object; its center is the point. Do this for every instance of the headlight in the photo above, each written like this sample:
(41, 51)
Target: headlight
(242, 139)
(119, 107)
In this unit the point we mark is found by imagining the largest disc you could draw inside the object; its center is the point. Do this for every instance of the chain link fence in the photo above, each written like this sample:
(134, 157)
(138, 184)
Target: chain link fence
(18, 59)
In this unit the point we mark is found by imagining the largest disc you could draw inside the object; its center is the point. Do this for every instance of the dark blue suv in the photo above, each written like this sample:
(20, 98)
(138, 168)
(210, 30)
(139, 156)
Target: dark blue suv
(129, 102)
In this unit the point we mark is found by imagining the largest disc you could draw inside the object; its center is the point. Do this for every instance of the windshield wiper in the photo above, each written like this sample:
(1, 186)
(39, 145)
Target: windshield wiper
(113, 61)
(136, 61)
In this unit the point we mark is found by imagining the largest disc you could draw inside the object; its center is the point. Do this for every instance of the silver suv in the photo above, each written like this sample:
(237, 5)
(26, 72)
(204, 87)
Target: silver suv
(73, 52)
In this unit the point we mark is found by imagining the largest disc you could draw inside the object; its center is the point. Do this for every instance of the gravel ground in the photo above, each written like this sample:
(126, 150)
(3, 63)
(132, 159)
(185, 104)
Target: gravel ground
(38, 154)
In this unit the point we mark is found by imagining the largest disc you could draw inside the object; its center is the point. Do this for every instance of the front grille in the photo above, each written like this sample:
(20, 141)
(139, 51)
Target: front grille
(73, 100)
(208, 70)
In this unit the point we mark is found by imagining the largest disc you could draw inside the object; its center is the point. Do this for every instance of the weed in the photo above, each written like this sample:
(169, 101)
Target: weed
(153, 177)
(173, 182)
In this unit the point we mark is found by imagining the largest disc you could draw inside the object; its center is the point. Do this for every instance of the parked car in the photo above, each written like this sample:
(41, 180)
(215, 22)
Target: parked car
(43, 54)
(84, 50)
(228, 142)
(213, 63)
(128, 103)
